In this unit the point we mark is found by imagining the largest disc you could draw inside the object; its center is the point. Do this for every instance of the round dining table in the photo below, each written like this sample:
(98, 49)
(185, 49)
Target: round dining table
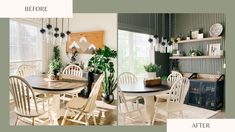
(69, 84)
(148, 93)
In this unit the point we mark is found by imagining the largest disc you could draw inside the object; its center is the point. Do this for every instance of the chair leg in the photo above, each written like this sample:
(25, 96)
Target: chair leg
(124, 119)
(17, 118)
(50, 117)
(154, 116)
(65, 117)
(33, 121)
(94, 120)
(86, 119)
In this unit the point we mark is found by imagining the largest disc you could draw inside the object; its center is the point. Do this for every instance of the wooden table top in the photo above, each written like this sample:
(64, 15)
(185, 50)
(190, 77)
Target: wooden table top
(41, 82)
(139, 87)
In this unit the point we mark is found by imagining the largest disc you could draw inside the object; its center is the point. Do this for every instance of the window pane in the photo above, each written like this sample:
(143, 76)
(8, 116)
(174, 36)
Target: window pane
(25, 46)
(133, 52)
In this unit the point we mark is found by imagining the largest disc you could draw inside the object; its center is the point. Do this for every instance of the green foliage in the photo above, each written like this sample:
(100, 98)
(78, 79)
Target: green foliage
(164, 77)
(109, 84)
(195, 52)
(55, 63)
(101, 63)
(152, 68)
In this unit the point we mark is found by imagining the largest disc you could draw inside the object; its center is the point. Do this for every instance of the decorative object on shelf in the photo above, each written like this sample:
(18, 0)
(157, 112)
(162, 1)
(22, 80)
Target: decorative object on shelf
(55, 64)
(200, 36)
(194, 34)
(216, 30)
(195, 52)
(152, 70)
(52, 35)
(101, 63)
(214, 49)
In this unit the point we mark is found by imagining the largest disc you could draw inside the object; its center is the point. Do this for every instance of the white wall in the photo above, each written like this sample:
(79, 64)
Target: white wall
(85, 22)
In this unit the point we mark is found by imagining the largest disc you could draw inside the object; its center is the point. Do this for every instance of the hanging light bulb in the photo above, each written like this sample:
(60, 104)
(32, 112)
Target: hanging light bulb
(68, 32)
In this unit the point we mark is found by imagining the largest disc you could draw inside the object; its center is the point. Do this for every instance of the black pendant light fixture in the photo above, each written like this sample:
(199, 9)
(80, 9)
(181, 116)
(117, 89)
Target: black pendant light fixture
(62, 35)
(49, 26)
(56, 29)
(150, 40)
(42, 30)
(54, 33)
(68, 32)
(156, 31)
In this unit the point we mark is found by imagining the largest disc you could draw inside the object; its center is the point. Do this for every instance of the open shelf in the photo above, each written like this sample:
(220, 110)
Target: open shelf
(196, 57)
(198, 40)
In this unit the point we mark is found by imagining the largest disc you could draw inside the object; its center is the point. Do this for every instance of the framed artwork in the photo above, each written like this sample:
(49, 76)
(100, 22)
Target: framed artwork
(214, 49)
(85, 42)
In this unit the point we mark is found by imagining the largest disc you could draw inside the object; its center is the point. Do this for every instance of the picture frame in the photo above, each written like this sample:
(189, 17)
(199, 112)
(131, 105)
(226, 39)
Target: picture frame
(214, 49)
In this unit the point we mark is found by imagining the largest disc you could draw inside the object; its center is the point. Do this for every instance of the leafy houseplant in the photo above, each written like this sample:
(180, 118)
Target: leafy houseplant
(101, 63)
(56, 63)
(195, 52)
(152, 69)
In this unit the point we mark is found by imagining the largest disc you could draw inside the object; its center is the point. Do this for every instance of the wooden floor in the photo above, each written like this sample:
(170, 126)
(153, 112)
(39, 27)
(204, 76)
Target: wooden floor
(109, 119)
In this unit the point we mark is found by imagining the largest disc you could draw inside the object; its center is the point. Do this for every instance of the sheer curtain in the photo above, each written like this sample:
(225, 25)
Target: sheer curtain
(134, 51)
(26, 45)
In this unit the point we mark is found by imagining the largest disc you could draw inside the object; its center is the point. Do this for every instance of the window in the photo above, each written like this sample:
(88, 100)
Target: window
(25, 46)
(134, 51)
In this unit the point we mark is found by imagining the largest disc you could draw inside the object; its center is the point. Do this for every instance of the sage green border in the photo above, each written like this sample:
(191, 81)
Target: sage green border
(128, 6)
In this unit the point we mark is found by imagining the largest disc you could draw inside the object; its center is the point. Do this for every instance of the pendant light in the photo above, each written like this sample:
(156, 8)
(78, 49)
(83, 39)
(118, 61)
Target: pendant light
(68, 32)
(56, 29)
(150, 40)
(62, 35)
(42, 30)
(156, 30)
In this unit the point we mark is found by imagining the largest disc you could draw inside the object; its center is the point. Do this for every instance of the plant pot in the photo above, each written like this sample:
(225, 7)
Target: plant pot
(151, 74)
(107, 98)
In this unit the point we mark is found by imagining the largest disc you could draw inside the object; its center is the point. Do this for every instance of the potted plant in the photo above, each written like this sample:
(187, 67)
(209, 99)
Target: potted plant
(152, 69)
(55, 64)
(101, 63)
(195, 52)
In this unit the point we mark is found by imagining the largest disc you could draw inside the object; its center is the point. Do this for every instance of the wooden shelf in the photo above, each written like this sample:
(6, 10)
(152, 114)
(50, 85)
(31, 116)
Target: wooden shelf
(198, 40)
(196, 57)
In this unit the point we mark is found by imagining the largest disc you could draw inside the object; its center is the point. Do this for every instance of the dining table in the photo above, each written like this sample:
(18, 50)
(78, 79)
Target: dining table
(139, 89)
(68, 84)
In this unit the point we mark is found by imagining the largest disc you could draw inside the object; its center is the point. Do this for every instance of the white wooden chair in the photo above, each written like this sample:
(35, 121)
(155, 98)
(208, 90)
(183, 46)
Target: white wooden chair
(26, 71)
(27, 108)
(171, 79)
(126, 111)
(175, 100)
(129, 78)
(73, 71)
(83, 107)
(174, 76)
